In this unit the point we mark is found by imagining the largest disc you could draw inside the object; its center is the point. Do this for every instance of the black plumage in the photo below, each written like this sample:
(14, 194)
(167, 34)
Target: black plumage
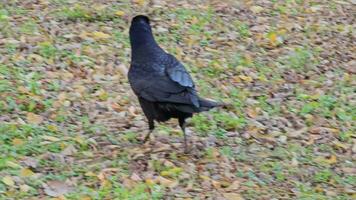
(162, 84)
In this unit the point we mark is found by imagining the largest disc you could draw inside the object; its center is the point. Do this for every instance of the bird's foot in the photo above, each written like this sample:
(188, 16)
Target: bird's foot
(187, 150)
(144, 139)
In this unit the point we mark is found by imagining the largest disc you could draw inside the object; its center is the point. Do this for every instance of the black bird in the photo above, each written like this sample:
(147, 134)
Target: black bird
(162, 84)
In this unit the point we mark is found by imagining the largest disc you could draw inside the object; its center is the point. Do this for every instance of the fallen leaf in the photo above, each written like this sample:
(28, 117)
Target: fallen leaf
(56, 188)
(331, 160)
(26, 172)
(98, 35)
(167, 182)
(51, 138)
(233, 196)
(149, 182)
(69, 150)
(234, 186)
(135, 177)
(8, 181)
(246, 78)
(122, 69)
(34, 119)
(256, 9)
(251, 112)
(139, 2)
(272, 38)
(216, 184)
(17, 141)
(85, 198)
(12, 164)
(119, 13)
(24, 188)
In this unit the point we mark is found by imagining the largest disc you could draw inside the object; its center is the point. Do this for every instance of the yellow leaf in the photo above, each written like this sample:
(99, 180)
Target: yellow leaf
(17, 142)
(79, 140)
(272, 38)
(106, 184)
(23, 89)
(256, 9)
(50, 138)
(52, 128)
(233, 196)
(34, 119)
(90, 174)
(172, 172)
(119, 13)
(246, 78)
(12, 164)
(149, 182)
(167, 182)
(24, 188)
(8, 181)
(85, 198)
(100, 35)
(139, 2)
(103, 95)
(26, 172)
(204, 177)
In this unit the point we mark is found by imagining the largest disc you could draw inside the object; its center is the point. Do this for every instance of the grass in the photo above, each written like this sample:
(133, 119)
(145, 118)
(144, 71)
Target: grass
(67, 112)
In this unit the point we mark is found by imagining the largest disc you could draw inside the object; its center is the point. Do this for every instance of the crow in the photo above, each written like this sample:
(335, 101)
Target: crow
(162, 84)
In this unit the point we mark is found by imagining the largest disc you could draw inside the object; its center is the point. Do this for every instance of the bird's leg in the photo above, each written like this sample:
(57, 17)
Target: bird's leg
(151, 126)
(182, 125)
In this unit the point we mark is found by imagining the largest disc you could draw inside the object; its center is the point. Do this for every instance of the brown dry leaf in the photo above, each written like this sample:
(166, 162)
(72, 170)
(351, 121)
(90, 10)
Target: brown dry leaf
(167, 182)
(34, 119)
(320, 130)
(256, 9)
(251, 112)
(331, 160)
(127, 182)
(135, 177)
(133, 111)
(350, 67)
(17, 142)
(233, 196)
(216, 184)
(56, 188)
(234, 186)
(122, 69)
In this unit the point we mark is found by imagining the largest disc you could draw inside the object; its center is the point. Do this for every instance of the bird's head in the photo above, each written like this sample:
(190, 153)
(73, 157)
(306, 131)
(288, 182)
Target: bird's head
(140, 23)
(140, 31)
(140, 19)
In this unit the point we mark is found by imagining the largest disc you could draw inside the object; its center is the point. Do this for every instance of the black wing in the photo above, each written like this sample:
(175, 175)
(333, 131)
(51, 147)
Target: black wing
(174, 85)
(177, 72)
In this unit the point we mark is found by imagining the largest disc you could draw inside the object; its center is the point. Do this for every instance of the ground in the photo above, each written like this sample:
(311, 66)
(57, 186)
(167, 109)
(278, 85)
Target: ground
(69, 122)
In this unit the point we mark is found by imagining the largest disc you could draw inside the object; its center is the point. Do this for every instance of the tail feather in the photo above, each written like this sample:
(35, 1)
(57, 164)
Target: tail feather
(206, 104)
